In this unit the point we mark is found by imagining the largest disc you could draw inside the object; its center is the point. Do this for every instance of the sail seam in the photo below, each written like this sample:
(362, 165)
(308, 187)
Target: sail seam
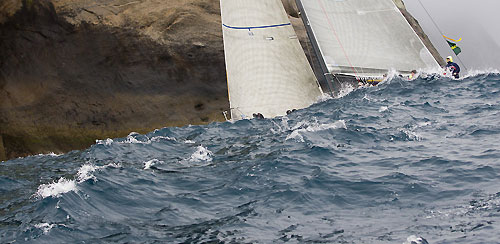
(255, 27)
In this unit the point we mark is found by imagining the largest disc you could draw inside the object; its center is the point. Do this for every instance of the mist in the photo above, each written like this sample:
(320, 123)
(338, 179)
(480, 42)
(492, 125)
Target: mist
(476, 22)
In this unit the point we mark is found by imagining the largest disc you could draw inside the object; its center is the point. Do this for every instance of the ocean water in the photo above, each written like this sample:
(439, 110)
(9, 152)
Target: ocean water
(383, 164)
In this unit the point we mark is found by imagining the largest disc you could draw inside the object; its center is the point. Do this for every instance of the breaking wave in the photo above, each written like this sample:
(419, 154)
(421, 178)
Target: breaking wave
(201, 154)
(63, 185)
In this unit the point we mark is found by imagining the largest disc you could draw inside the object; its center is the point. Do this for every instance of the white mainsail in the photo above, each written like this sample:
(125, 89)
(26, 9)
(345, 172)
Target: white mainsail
(365, 37)
(267, 70)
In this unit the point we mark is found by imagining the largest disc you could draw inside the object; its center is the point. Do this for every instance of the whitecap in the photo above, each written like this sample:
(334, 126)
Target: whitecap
(430, 71)
(51, 154)
(295, 135)
(410, 132)
(189, 142)
(106, 142)
(383, 109)
(56, 189)
(471, 73)
(86, 172)
(280, 127)
(63, 185)
(345, 89)
(423, 124)
(131, 139)
(302, 127)
(160, 138)
(415, 240)
(45, 227)
(488, 203)
(323, 97)
(148, 164)
(412, 135)
(201, 154)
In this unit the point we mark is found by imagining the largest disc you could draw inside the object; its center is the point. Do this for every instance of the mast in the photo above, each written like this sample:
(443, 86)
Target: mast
(267, 70)
(328, 77)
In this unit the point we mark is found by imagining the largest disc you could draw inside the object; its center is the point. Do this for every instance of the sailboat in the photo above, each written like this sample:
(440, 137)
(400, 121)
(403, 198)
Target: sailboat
(363, 38)
(267, 69)
(268, 72)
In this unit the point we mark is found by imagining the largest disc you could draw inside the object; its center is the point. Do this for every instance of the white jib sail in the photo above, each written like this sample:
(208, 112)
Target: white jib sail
(365, 37)
(267, 70)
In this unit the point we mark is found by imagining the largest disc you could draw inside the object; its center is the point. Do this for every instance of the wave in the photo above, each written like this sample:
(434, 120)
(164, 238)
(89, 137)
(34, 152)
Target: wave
(433, 73)
(313, 126)
(63, 185)
(45, 227)
(135, 138)
(148, 164)
(475, 207)
(415, 240)
(418, 156)
(439, 72)
(201, 154)
(475, 73)
(51, 154)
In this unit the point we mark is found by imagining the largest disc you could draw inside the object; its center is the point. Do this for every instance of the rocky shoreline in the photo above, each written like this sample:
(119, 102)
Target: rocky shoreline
(73, 71)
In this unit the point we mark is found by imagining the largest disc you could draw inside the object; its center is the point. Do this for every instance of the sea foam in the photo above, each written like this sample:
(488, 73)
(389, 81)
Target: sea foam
(106, 142)
(383, 109)
(415, 240)
(132, 139)
(51, 154)
(303, 127)
(55, 189)
(201, 154)
(45, 227)
(148, 164)
(63, 185)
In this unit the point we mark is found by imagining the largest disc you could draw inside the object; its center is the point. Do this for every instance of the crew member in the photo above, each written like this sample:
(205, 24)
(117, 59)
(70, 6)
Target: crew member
(453, 67)
(258, 116)
(413, 75)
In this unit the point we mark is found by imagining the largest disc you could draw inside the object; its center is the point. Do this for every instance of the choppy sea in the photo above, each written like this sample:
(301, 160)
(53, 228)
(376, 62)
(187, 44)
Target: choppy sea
(386, 164)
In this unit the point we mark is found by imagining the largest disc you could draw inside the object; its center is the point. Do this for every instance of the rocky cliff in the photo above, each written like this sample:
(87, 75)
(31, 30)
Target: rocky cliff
(73, 71)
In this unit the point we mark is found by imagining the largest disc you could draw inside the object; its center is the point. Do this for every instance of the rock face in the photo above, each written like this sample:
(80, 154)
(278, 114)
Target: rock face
(73, 71)
(8, 8)
(2, 150)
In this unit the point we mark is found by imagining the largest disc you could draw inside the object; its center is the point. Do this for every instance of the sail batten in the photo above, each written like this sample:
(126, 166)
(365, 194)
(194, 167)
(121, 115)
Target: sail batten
(365, 34)
(267, 70)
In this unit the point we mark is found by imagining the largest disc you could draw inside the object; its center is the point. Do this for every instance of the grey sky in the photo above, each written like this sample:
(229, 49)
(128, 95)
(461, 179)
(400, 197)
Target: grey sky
(475, 21)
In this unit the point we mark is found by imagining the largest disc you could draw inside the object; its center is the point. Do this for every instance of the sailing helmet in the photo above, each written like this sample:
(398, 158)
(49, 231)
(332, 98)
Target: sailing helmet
(450, 58)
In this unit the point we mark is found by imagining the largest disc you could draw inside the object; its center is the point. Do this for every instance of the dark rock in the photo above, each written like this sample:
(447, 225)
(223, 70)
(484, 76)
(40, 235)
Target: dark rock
(71, 74)
(3, 156)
